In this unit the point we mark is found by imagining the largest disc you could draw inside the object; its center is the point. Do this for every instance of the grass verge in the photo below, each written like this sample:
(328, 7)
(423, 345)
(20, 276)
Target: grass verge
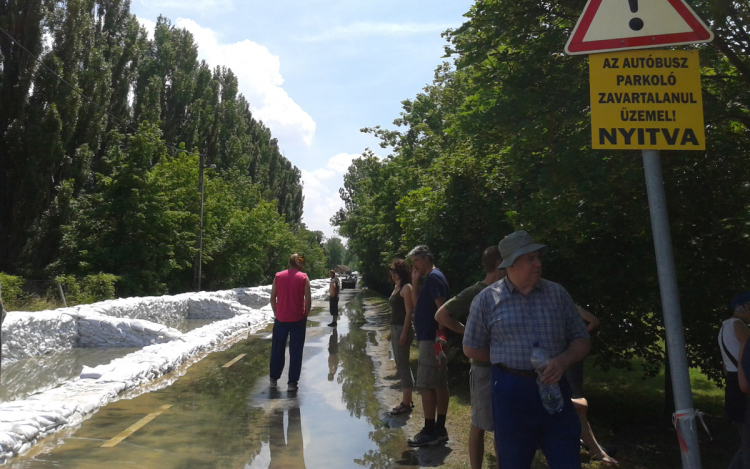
(626, 412)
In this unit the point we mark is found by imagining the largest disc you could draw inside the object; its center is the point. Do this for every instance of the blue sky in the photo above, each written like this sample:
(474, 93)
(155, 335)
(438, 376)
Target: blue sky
(318, 71)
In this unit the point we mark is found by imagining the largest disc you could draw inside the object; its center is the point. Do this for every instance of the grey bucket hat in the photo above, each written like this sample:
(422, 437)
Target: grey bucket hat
(517, 244)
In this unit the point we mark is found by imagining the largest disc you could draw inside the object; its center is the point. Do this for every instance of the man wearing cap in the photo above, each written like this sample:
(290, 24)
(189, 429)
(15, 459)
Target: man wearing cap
(432, 375)
(291, 301)
(505, 320)
(450, 316)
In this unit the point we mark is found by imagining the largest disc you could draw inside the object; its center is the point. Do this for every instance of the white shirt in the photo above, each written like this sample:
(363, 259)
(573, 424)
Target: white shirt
(730, 340)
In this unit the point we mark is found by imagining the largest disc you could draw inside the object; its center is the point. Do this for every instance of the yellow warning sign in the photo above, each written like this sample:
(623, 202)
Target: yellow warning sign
(646, 100)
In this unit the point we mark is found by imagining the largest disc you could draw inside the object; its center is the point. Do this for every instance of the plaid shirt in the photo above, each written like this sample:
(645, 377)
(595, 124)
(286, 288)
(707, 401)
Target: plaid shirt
(508, 323)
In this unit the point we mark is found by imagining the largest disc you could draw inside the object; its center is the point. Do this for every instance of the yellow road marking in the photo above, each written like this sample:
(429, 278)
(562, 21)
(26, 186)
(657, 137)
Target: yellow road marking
(236, 359)
(135, 427)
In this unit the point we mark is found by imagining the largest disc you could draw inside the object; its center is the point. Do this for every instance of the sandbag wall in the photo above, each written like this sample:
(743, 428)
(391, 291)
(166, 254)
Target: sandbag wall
(36, 334)
(24, 422)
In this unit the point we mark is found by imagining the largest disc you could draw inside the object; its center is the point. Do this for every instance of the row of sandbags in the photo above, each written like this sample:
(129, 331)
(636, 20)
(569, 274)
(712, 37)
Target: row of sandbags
(24, 422)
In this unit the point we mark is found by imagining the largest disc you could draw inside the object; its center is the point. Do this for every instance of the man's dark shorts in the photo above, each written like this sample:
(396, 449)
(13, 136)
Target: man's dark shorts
(333, 304)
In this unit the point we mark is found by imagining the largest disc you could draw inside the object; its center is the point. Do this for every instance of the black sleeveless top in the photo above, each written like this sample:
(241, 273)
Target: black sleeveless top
(398, 308)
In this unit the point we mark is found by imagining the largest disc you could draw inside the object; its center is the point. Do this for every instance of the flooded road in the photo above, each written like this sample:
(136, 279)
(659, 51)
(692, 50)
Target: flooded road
(36, 374)
(33, 375)
(221, 412)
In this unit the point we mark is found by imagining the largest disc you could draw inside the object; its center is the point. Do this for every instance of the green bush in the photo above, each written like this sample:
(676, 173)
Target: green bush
(89, 289)
(78, 291)
(12, 294)
(99, 287)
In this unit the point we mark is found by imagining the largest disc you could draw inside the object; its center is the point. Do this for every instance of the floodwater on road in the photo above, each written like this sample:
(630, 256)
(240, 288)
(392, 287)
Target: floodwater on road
(221, 413)
(28, 376)
(187, 325)
(32, 375)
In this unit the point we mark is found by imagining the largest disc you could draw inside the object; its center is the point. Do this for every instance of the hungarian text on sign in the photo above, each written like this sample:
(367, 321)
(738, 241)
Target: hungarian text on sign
(646, 99)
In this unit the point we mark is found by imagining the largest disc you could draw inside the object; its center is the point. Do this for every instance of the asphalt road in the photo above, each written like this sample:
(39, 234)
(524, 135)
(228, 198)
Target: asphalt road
(221, 412)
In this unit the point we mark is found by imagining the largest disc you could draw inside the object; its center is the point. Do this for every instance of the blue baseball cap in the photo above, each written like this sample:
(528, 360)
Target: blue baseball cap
(740, 300)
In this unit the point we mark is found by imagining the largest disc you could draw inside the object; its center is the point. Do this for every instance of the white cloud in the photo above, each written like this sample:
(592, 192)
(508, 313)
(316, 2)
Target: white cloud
(183, 5)
(149, 25)
(321, 190)
(260, 80)
(363, 29)
(341, 162)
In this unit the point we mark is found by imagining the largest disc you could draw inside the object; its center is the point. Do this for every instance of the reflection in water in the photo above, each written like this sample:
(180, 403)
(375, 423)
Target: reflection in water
(368, 314)
(209, 425)
(286, 447)
(33, 375)
(36, 374)
(333, 354)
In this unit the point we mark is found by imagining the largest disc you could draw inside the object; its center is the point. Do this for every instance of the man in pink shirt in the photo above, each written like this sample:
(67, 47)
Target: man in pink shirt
(291, 302)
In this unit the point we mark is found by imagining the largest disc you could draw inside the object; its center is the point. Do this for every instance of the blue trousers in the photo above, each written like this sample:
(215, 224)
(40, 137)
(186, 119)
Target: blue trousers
(295, 331)
(522, 424)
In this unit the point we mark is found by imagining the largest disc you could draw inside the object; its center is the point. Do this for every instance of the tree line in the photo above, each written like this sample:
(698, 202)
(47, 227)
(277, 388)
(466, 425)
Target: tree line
(501, 140)
(101, 144)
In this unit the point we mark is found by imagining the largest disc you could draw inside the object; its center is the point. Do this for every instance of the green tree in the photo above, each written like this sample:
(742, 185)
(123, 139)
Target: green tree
(502, 142)
(352, 260)
(127, 226)
(89, 178)
(371, 191)
(335, 252)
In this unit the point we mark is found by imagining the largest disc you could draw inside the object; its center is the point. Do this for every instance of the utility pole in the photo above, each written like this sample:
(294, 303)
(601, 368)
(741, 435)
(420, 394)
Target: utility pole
(200, 236)
(201, 169)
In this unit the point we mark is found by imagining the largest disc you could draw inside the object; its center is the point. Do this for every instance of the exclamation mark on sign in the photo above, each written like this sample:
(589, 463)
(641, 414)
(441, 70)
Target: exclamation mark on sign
(636, 24)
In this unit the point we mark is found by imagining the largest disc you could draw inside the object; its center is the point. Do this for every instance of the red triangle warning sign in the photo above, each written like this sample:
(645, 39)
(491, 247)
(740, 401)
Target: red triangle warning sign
(608, 25)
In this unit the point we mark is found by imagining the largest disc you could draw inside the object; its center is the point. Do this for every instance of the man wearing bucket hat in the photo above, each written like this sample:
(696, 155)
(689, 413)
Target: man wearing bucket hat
(291, 301)
(505, 321)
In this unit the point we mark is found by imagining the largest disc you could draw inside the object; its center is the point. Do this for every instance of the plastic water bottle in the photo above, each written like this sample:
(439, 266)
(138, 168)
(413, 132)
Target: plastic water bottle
(550, 393)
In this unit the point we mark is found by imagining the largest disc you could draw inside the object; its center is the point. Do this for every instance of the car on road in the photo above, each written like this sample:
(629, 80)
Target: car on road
(350, 281)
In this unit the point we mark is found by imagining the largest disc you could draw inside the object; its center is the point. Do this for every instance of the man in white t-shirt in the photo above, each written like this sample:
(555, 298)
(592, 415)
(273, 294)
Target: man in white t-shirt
(333, 297)
(733, 337)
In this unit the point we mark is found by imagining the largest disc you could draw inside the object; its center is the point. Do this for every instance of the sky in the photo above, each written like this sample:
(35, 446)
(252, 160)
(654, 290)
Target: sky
(317, 71)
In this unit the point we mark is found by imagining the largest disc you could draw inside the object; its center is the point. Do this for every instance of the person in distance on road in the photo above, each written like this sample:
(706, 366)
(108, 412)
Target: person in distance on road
(333, 297)
(505, 320)
(291, 301)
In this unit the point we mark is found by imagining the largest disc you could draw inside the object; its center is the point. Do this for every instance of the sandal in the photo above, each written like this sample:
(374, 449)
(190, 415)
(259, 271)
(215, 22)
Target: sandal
(604, 459)
(402, 409)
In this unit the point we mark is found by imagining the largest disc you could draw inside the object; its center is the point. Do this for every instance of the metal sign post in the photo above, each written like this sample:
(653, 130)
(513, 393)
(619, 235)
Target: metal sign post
(2, 319)
(687, 430)
(650, 100)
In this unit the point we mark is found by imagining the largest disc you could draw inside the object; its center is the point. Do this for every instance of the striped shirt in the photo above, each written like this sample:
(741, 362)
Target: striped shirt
(508, 323)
